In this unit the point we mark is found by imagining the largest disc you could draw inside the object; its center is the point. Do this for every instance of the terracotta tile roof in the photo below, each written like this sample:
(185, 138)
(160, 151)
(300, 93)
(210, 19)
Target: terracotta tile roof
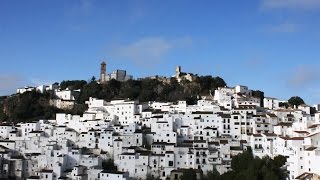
(311, 148)
(302, 132)
(292, 138)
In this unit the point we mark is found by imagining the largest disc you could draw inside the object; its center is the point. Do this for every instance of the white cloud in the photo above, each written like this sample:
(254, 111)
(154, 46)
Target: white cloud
(149, 50)
(84, 6)
(303, 76)
(9, 83)
(39, 82)
(284, 28)
(291, 4)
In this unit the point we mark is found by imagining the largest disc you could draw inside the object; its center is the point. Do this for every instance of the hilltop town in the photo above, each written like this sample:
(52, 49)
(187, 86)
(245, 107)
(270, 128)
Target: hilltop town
(127, 139)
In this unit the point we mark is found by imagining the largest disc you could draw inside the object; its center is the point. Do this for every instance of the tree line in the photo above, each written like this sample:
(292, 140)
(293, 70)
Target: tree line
(246, 167)
(33, 105)
(146, 89)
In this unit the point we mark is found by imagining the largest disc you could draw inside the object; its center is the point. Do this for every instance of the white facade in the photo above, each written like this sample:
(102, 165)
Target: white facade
(243, 90)
(270, 103)
(25, 89)
(156, 138)
(68, 95)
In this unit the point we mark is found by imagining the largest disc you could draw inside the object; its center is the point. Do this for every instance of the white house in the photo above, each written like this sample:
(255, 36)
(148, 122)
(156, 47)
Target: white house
(270, 103)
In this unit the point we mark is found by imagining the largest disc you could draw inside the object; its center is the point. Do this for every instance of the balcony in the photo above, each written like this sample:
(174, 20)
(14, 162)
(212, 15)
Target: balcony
(258, 150)
(204, 155)
(214, 160)
(213, 155)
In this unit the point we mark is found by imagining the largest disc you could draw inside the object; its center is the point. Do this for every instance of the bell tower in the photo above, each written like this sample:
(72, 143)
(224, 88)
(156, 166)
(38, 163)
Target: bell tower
(178, 71)
(103, 72)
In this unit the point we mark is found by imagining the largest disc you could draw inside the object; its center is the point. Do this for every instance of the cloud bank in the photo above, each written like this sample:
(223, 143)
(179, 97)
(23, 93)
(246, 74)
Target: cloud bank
(284, 28)
(9, 83)
(148, 51)
(291, 4)
(303, 76)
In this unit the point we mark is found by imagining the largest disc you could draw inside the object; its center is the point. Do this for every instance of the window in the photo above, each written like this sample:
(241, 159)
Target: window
(170, 163)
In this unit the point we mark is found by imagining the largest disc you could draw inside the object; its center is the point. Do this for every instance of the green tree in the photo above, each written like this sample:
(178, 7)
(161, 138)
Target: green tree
(3, 116)
(279, 160)
(149, 90)
(73, 84)
(270, 176)
(130, 89)
(241, 162)
(109, 165)
(93, 79)
(78, 109)
(114, 87)
(208, 83)
(29, 106)
(259, 94)
(189, 174)
(213, 175)
(149, 177)
(89, 90)
(230, 175)
(295, 101)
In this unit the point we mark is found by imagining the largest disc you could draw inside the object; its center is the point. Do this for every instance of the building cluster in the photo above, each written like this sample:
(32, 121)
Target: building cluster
(184, 76)
(62, 99)
(179, 76)
(65, 99)
(41, 89)
(159, 139)
(119, 75)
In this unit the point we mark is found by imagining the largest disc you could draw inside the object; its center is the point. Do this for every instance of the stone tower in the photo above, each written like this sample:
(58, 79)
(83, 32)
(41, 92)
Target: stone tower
(103, 72)
(178, 71)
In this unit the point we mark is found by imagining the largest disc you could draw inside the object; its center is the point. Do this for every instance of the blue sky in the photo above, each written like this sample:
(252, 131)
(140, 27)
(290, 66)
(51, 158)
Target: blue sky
(271, 45)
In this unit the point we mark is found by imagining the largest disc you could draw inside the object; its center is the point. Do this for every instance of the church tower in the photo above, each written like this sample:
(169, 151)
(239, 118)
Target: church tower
(178, 71)
(103, 72)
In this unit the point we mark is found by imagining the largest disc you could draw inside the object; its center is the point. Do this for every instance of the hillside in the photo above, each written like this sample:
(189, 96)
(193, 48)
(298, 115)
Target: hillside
(31, 106)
